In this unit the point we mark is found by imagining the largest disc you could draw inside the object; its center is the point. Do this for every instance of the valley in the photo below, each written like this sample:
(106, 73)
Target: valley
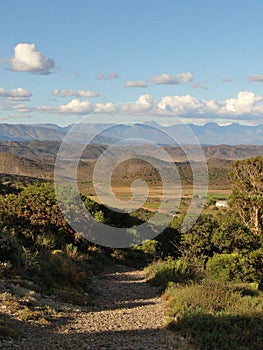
(69, 272)
(36, 159)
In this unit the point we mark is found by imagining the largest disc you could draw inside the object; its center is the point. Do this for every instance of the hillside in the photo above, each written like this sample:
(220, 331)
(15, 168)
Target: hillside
(37, 159)
(233, 152)
(36, 150)
(11, 164)
(47, 150)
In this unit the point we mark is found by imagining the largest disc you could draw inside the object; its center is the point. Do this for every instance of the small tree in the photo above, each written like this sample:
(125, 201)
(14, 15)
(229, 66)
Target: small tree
(246, 200)
(197, 244)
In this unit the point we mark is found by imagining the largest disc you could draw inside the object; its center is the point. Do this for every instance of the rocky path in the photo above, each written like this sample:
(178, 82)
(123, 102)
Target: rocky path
(127, 314)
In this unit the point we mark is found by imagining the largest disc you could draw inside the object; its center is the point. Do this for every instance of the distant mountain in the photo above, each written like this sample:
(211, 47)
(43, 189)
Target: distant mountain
(20, 132)
(50, 132)
(233, 134)
(208, 134)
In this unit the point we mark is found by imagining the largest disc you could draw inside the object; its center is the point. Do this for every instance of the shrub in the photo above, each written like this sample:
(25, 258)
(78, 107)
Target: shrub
(161, 272)
(207, 296)
(9, 247)
(236, 267)
(233, 237)
(57, 271)
(225, 267)
(212, 315)
(148, 247)
(197, 243)
(253, 266)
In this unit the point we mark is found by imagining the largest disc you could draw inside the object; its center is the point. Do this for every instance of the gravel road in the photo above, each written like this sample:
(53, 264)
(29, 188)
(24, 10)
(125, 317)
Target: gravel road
(127, 314)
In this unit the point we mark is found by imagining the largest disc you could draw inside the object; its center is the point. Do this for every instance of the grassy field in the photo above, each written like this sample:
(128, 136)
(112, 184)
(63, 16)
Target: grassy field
(123, 192)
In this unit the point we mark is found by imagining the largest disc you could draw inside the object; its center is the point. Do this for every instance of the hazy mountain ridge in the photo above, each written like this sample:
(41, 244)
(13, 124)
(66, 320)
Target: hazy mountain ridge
(49, 132)
(208, 134)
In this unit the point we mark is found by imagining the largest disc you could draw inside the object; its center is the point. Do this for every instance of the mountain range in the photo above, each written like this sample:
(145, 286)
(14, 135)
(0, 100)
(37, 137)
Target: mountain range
(207, 134)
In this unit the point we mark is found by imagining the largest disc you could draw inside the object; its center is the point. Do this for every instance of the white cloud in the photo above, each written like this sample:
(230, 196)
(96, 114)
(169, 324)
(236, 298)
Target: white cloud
(75, 106)
(246, 103)
(71, 93)
(27, 58)
(86, 93)
(163, 79)
(105, 107)
(166, 79)
(184, 78)
(63, 93)
(147, 99)
(136, 83)
(109, 76)
(255, 78)
(181, 105)
(246, 107)
(18, 94)
(145, 103)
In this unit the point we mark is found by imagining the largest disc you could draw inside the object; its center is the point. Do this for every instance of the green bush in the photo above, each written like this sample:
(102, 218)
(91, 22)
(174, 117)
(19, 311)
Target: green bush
(236, 267)
(57, 269)
(233, 237)
(9, 247)
(148, 247)
(225, 267)
(253, 266)
(207, 296)
(161, 272)
(212, 315)
(197, 243)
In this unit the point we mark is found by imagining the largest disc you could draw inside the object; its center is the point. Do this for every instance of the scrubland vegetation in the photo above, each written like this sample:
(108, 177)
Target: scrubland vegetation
(210, 277)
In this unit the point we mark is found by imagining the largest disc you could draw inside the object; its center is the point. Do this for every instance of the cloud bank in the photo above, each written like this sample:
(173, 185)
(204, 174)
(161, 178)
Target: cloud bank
(167, 79)
(71, 93)
(245, 106)
(136, 83)
(18, 94)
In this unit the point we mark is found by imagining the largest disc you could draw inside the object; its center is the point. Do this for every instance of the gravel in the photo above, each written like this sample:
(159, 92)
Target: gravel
(127, 314)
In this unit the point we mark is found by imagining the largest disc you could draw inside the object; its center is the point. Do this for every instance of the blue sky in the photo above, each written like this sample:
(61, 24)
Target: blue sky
(199, 60)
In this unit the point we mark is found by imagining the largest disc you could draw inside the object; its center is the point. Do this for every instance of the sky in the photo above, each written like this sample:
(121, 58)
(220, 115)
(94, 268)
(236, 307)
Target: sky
(131, 61)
